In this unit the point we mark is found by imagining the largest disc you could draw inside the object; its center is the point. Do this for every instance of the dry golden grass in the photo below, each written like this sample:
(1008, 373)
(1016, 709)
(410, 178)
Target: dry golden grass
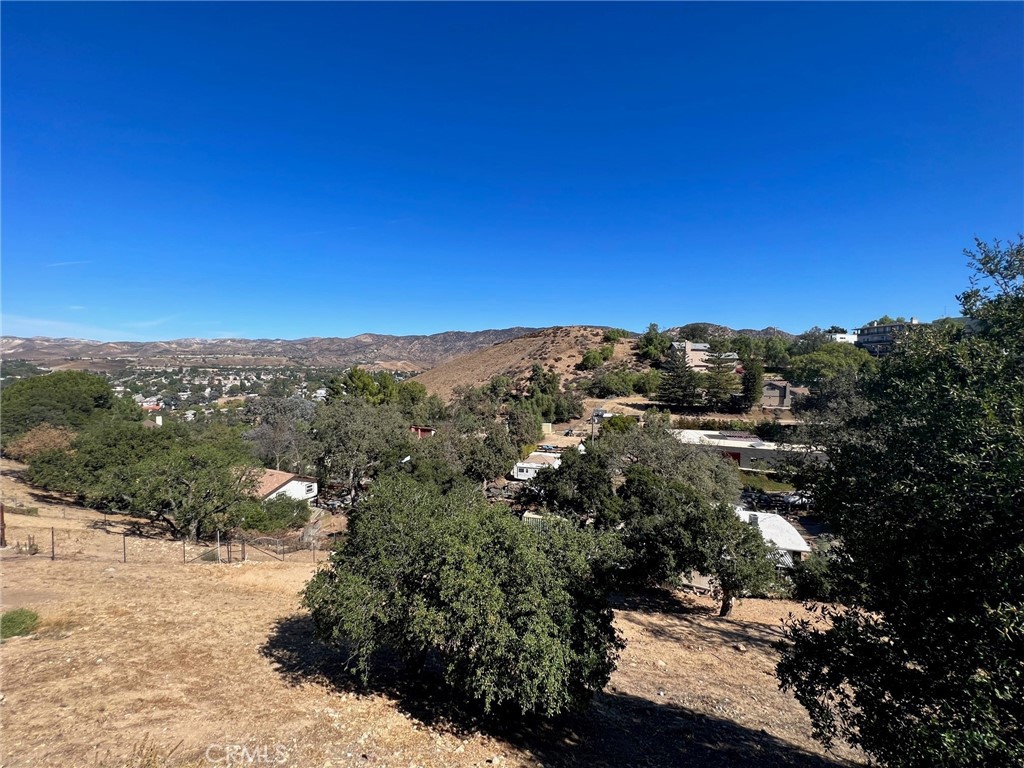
(557, 349)
(155, 663)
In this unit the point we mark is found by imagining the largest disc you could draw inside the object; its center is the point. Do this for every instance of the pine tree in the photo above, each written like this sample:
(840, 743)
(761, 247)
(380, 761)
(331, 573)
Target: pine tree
(680, 384)
(720, 381)
(752, 384)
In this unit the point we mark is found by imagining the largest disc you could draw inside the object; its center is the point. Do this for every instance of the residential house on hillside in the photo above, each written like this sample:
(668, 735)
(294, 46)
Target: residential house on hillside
(845, 338)
(878, 340)
(696, 355)
(781, 394)
(274, 483)
(528, 468)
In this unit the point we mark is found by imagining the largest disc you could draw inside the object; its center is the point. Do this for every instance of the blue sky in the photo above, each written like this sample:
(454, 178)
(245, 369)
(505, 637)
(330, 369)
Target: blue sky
(326, 169)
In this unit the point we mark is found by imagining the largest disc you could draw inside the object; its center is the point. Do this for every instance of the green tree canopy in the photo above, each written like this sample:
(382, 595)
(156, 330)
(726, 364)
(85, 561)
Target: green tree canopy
(809, 341)
(516, 619)
(924, 664)
(886, 320)
(776, 353)
(720, 382)
(670, 530)
(711, 477)
(680, 384)
(62, 399)
(653, 344)
(194, 480)
(451, 456)
(580, 489)
(751, 384)
(196, 489)
(544, 382)
(829, 361)
(355, 441)
(375, 388)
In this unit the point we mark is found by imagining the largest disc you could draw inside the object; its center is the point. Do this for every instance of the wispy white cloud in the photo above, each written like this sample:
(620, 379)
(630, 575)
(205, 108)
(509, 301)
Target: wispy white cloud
(19, 325)
(67, 263)
(150, 323)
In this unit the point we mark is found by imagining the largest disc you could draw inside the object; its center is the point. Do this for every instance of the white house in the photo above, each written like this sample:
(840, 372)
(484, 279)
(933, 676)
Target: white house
(528, 468)
(274, 483)
(845, 338)
(778, 532)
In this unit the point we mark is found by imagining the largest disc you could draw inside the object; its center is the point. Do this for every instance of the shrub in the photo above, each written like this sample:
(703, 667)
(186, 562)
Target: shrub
(817, 577)
(732, 425)
(39, 439)
(30, 511)
(614, 334)
(276, 514)
(20, 621)
(615, 383)
(618, 423)
(514, 617)
(591, 359)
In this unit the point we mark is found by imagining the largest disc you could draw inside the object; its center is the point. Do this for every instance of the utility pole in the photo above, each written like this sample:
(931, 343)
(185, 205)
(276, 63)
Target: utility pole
(3, 527)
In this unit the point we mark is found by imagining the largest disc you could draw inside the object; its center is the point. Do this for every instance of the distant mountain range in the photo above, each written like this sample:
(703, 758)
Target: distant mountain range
(367, 349)
(406, 353)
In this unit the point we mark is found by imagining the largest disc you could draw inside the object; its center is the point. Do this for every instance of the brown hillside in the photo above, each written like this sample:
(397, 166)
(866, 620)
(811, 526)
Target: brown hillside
(558, 349)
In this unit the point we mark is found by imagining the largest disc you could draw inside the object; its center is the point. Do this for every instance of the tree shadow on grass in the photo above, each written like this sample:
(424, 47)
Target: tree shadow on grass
(116, 523)
(617, 729)
(676, 616)
(664, 602)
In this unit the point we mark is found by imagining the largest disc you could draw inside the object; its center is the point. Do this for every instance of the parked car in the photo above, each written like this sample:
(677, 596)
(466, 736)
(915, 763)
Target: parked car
(797, 500)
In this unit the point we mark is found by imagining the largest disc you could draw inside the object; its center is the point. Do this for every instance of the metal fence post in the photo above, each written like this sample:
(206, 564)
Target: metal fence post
(184, 557)
(218, 546)
(124, 547)
(53, 545)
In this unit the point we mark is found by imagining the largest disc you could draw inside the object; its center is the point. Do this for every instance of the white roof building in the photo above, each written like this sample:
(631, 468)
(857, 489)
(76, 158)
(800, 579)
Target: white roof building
(779, 533)
(528, 468)
(749, 451)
